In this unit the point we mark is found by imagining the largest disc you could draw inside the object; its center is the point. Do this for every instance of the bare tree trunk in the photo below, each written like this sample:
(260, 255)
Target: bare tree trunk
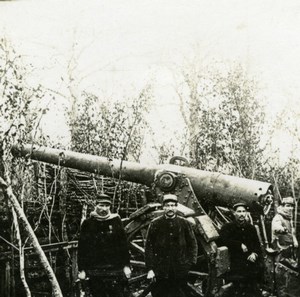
(21, 254)
(7, 287)
(56, 291)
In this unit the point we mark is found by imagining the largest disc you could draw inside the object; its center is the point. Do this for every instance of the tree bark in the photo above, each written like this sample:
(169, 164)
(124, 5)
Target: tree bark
(28, 229)
(21, 254)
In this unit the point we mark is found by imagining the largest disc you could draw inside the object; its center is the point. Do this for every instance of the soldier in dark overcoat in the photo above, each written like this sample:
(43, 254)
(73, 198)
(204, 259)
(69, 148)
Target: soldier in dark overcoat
(245, 253)
(103, 254)
(171, 249)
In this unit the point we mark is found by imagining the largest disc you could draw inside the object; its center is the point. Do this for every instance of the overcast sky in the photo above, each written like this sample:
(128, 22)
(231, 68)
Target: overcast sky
(121, 45)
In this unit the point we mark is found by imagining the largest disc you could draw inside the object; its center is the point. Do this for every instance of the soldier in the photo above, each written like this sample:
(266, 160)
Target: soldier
(103, 254)
(285, 242)
(245, 253)
(171, 249)
(283, 231)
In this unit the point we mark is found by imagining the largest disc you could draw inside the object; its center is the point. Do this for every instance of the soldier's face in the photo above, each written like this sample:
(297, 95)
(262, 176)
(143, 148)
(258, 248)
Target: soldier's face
(240, 214)
(289, 207)
(103, 209)
(170, 209)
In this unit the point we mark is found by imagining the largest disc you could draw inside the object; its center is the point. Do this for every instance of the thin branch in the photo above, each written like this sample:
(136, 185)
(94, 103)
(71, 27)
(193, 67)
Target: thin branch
(9, 243)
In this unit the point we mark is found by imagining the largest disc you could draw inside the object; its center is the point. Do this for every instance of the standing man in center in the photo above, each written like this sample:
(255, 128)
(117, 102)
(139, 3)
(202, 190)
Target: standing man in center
(171, 249)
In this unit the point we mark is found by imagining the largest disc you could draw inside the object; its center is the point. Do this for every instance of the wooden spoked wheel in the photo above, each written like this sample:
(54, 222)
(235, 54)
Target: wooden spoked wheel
(138, 283)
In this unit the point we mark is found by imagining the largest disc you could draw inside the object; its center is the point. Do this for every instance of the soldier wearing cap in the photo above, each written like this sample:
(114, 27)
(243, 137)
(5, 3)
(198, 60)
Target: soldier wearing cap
(283, 231)
(103, 254)
(171, 249)
(285, 242)
(245, 253)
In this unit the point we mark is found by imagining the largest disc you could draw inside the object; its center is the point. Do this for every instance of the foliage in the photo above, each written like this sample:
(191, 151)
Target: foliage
(284, 161)
(111, 129)
(20, 115)
(225, 122)
(19, 110)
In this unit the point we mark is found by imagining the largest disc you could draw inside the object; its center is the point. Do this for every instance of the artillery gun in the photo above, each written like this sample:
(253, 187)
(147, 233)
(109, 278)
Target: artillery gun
(204, 198)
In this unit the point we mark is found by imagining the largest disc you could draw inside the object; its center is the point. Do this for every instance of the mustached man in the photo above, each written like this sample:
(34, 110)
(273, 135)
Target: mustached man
(171, 249)
(103, 254)
(245, 253)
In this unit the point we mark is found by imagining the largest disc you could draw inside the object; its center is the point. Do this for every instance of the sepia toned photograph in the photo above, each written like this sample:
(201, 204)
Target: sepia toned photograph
(149, 148)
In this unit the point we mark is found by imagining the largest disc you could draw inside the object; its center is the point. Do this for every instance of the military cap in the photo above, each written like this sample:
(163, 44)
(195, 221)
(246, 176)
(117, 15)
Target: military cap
(170, 198)
(103, 198)
(288, 200)
(235, 206)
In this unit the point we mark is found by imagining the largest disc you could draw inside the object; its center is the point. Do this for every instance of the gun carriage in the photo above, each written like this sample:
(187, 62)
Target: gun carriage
(204, 199)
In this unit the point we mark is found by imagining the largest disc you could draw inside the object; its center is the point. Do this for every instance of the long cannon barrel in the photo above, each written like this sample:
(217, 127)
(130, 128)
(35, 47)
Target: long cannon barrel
(209, 187)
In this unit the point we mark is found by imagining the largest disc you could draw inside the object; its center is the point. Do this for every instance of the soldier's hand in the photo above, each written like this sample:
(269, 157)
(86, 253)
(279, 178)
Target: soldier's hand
(127, 271)
(82, 275)
(295, 244)
(244, 248)
(151, 275)
(252, 257)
